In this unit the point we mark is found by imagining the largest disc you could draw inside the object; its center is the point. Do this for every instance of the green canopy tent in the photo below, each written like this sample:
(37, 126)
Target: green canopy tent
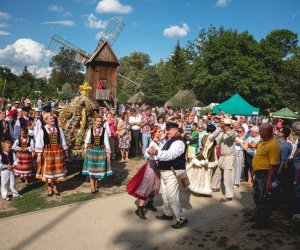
(236, 105)
(285, 113)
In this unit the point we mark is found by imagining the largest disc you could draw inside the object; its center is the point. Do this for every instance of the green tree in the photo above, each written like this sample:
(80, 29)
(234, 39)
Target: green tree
(132, 68)
(65, 70)
(289, 83)
(232, 62)
(152, 88)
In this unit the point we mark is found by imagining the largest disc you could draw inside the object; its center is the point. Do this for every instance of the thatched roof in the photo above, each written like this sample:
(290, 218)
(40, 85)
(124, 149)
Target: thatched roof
(137, 98)
(180, 96)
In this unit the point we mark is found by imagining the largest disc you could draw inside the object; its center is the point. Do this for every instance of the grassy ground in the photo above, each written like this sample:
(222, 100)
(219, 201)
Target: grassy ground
(73, 189)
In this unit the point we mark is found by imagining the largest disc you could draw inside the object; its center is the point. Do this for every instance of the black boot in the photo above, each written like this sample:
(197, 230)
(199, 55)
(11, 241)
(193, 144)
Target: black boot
(150, 206)
(140, 212)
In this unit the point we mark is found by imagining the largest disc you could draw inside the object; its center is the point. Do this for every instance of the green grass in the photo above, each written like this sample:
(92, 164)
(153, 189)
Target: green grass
(35, 198)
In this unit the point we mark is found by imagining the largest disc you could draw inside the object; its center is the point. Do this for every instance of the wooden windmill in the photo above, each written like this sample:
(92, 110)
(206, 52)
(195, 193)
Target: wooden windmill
(101, 66)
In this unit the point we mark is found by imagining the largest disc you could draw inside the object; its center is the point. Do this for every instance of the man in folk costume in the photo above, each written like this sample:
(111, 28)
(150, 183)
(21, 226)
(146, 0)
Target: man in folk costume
(201, 168)
(22, 121)
(171, 155)
(226, 166)
(50, 143)
(97, 154)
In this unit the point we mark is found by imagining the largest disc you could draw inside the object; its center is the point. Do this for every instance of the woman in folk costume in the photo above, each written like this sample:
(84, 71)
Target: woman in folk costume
(49, 146)
(145, 184)
(24, 147)
(97, 154)
(201, 169)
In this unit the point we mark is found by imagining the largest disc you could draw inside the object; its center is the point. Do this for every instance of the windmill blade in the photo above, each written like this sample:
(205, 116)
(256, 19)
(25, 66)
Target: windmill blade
(131, 76)
(112, 31)
(57, 44)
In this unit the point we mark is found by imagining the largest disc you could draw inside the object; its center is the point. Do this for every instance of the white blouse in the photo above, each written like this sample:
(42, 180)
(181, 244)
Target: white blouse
(39, 144)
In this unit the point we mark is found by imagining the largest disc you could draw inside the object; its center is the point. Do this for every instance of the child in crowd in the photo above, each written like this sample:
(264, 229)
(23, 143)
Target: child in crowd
(7, 162)
(30, 126)
(193, 141)
(24, 146)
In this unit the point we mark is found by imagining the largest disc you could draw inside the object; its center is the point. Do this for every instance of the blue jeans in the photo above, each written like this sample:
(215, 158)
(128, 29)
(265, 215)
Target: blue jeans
(146, 139)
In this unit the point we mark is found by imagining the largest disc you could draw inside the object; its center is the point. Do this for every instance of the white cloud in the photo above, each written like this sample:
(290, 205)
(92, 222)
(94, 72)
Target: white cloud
(223, 3)
(4, 33)
(25, 52)
(113, 6)
(93, 23)
(3, 25)
(56, 8)
(40, 72)
(176, 31)
(63, 22)
(103, 35)
(4, 15)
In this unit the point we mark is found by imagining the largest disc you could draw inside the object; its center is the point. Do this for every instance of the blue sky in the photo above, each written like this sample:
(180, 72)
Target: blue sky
(151, 26)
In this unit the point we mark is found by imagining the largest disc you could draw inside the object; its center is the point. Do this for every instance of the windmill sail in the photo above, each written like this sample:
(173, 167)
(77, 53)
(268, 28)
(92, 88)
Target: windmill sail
(57, 44)
(131, 76)
(112, 31)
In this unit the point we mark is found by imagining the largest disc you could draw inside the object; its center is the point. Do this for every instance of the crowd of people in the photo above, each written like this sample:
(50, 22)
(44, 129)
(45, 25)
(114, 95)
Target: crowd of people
(210, 149)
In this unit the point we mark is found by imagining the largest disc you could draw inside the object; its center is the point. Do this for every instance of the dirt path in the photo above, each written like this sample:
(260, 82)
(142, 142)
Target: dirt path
(110, 222)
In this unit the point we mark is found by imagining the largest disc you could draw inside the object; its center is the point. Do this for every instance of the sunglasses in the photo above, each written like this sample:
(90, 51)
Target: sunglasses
(239, 131)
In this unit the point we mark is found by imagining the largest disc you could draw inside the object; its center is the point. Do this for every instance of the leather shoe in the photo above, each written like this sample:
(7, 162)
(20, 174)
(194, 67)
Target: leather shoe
(225, 199)
(180, 224)
(164, 217)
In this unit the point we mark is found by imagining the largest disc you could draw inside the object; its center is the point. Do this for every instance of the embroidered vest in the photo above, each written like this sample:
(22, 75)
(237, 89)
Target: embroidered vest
(97, 140)
(23, 144)
(52, 138)
(7, 159)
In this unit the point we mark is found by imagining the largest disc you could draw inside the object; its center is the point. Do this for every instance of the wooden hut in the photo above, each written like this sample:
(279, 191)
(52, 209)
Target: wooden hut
(181, 97)
(101, 74)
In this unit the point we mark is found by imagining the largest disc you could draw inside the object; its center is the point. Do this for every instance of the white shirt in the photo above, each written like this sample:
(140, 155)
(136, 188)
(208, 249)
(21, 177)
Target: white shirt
(135, 119)
(246, 128)
(176, 149)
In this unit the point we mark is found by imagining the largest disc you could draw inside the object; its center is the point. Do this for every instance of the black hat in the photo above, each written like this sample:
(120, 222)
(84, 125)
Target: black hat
(47, 108)
(170, 125)
(26, 108)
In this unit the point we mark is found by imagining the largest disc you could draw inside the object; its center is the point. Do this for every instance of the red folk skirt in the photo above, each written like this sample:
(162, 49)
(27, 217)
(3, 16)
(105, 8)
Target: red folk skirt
(145, 183)
(24, 167)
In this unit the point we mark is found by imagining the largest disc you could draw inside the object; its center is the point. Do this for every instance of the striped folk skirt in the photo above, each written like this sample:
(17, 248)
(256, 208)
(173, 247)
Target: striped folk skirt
(52, 167)
(96, 163)
(24, 167)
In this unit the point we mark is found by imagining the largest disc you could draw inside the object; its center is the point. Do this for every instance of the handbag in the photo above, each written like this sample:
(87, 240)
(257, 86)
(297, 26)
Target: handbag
(182, 178)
